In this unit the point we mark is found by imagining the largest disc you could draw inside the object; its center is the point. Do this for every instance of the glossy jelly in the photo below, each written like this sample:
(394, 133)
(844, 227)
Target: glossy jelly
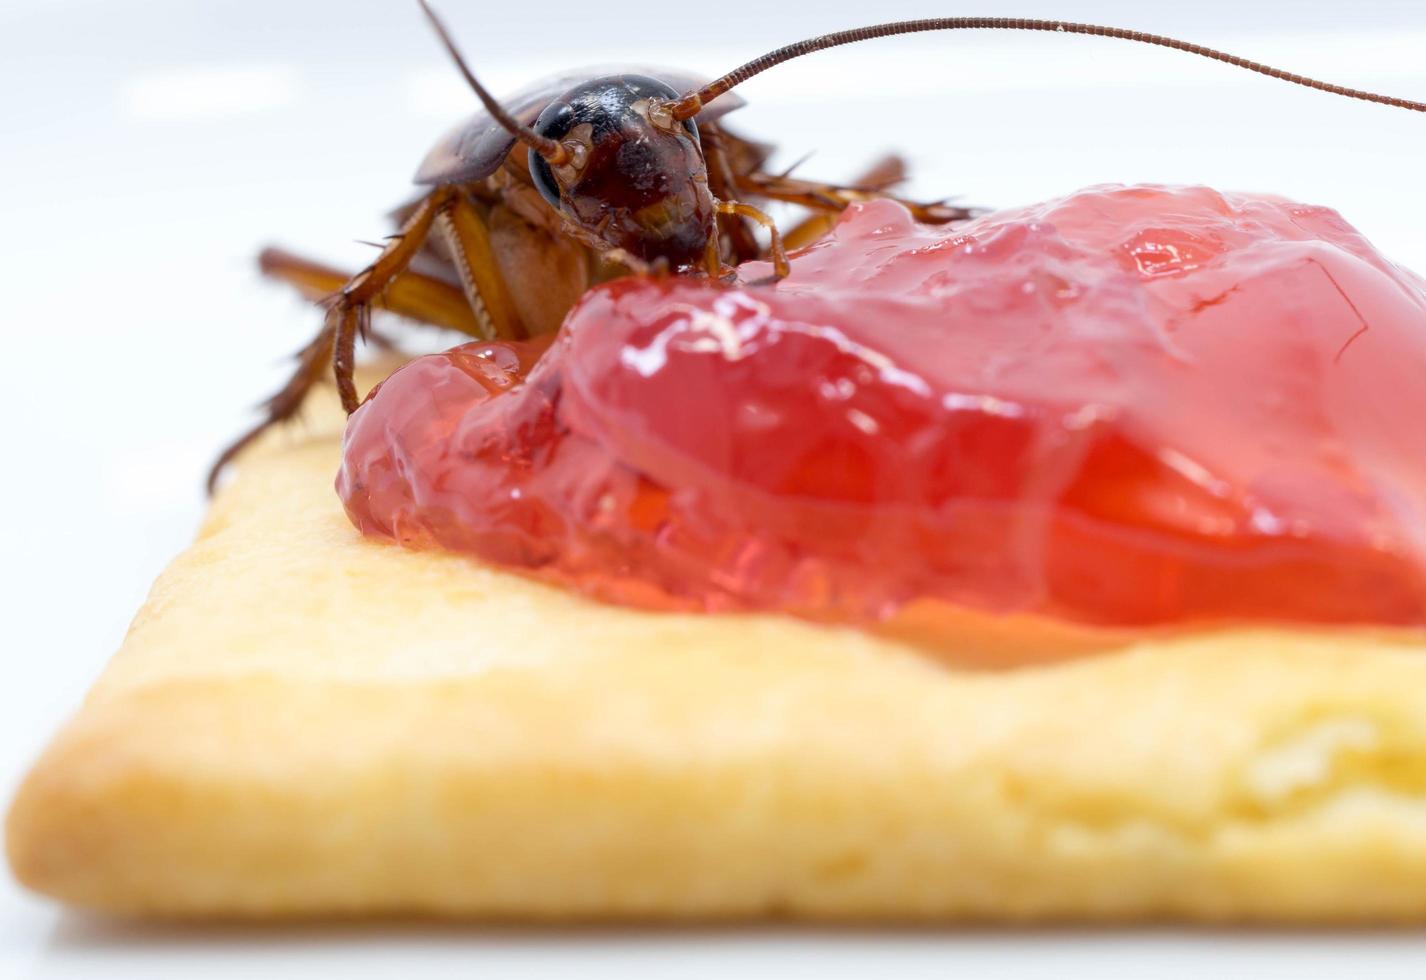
(1130, 406)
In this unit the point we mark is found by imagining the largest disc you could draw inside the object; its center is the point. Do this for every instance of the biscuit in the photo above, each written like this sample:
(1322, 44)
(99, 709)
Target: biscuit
(302, 722)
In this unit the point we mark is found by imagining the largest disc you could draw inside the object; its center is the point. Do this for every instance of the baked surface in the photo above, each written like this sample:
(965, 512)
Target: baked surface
(302, 722)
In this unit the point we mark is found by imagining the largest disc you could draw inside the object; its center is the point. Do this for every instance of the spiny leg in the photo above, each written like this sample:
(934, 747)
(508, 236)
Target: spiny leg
(778, 255)
(835, 197)
(885, 173)
(347, 312)
(411, 295)
(312, 362)
(345, 321)
(468, 239)
(350, 309)
(736, 165)
(723, 183)
(881, 176)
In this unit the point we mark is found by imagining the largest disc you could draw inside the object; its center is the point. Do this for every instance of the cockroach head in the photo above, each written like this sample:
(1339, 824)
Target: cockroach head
(634, 175)
(610, 155)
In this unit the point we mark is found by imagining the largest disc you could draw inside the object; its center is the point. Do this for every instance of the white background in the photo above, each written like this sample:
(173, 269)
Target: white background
(147, 151)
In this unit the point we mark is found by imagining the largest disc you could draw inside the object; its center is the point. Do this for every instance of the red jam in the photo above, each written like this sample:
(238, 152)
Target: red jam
(1130, 406)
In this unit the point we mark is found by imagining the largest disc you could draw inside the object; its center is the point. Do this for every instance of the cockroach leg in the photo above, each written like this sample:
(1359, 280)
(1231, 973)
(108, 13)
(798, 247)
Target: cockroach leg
(723, 184)
(412, 295)
(344, 320)
(312, 363)
(468, 239)
(882, 175)
(348, 310)
(834, 197)
(712, 261)
(776, 252)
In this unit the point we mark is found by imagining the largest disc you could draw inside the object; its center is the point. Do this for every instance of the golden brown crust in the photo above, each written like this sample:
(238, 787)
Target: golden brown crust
(302, 722)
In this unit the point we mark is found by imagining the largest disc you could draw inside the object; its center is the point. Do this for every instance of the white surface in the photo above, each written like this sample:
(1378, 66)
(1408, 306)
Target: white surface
(148, 150)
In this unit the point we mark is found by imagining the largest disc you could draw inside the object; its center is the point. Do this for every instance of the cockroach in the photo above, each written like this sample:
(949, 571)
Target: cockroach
(594, 174)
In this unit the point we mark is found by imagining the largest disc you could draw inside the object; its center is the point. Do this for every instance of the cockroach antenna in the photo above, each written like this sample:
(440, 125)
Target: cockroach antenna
(552, 150)
(690, 104)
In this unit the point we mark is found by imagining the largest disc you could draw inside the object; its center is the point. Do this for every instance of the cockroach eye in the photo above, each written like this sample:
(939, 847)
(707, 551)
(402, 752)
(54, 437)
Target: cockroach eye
(544, 179)
(555, 122)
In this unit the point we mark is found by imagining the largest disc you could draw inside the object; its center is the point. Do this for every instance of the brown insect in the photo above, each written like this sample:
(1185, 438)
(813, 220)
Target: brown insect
(626, 172)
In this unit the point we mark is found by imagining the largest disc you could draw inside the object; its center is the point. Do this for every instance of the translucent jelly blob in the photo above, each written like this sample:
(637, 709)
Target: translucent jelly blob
(1130, 406)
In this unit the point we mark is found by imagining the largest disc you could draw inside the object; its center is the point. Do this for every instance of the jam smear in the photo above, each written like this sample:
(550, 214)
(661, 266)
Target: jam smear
(1130, 406)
